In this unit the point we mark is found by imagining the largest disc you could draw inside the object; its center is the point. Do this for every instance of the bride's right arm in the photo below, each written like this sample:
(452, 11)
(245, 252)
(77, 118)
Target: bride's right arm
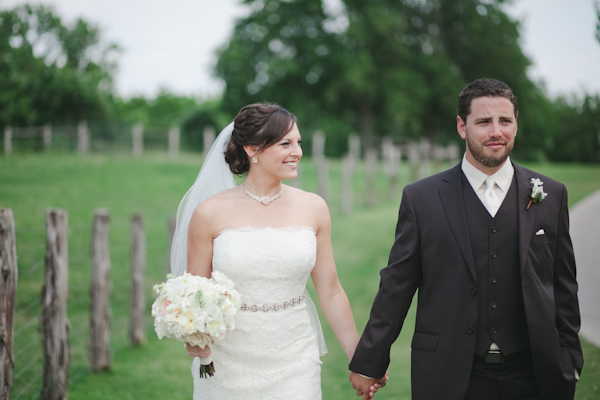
(200, 243)
(199, 259)
(332, 297)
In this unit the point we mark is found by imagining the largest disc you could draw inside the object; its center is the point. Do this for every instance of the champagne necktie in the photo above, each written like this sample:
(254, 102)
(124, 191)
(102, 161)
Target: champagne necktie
(490, 200)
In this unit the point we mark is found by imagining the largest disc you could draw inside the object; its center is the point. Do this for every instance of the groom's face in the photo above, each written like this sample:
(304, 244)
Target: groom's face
(489, 131)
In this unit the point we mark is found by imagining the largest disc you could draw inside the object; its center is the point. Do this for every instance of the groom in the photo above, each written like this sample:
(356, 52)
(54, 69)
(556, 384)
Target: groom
(497, 309)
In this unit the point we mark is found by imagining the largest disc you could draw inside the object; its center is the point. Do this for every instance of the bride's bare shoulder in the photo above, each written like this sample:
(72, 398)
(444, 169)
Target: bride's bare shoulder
(309, 200)
(217, 204)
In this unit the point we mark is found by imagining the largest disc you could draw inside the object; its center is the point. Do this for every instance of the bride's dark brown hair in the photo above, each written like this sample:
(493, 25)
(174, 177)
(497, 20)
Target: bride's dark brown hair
(260, 125)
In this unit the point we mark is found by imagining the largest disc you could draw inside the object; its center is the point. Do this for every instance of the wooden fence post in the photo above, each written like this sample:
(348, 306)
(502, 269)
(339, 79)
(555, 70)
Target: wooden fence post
(137, 335)
(318, 147)
(83, 138)
(354, 147)
(439, 154)
(348, 164)
(322, 178)
(8, 288)
(138, 139)
(47, 134)
(425, 148)
(453, 153)
(8, 140)
(172, 225)
(54, 323)
(414, 160)
(209, 138)
(391, 156)
(99, 351)
(174, 142)
(371, 174)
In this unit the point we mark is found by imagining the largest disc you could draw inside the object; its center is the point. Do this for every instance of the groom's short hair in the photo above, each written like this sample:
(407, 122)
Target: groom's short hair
(484, 88)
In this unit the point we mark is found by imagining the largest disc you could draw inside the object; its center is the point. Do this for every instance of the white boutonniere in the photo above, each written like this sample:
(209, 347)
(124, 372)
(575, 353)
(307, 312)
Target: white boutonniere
(537, 192)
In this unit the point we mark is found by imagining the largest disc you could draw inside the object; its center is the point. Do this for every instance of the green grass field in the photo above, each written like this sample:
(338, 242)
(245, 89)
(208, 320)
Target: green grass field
(153, 186)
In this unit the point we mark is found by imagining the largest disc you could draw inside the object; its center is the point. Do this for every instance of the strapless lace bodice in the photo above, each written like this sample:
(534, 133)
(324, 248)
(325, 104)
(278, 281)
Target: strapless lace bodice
(270, 354)
(267, 265)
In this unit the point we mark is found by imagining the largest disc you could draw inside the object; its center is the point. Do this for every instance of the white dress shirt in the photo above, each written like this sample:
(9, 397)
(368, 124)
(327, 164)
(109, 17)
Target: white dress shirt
(503, 178)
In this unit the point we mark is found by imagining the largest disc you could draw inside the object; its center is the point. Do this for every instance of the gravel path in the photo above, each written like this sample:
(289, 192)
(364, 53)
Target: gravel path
(585, 234)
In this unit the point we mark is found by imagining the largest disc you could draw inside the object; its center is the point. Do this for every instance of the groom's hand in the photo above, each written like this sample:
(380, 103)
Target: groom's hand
(365, 387)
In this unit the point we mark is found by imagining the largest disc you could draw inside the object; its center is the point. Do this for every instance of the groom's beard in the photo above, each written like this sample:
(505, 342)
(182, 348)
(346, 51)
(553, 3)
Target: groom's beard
(493, 160)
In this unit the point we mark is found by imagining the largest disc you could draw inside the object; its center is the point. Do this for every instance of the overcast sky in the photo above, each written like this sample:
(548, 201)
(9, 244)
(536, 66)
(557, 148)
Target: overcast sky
(171, 44)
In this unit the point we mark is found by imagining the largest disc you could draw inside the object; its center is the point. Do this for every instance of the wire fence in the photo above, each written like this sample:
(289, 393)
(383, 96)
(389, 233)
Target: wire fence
(28, 351)
(98, 137)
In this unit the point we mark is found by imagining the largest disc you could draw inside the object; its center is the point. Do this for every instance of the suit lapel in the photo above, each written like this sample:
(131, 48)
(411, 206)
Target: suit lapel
(452, 201)
(526, 217)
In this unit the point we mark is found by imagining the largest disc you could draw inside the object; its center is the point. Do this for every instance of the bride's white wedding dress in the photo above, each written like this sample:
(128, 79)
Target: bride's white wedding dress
(270, 354)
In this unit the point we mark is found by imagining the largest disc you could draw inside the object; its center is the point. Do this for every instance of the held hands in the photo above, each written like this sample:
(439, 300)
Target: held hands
(197, 351)
(366, 387)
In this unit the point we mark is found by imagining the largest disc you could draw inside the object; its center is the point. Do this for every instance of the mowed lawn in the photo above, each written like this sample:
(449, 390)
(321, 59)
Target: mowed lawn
(153, 186)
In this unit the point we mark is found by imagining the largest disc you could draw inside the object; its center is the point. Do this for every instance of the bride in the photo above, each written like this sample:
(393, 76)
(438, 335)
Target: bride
(268, 238)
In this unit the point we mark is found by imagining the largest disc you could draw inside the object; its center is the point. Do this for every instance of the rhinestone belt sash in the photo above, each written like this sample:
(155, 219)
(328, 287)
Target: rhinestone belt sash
(273, 307)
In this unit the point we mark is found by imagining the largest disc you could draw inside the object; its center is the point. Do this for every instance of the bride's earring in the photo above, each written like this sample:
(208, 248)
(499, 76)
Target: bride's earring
(254, 160)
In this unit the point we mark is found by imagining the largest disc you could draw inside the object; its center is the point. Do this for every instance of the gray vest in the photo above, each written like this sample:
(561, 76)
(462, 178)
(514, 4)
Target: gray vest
(495, 246)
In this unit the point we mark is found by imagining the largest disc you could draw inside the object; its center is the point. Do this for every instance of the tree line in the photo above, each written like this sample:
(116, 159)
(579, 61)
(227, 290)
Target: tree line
(378, 68)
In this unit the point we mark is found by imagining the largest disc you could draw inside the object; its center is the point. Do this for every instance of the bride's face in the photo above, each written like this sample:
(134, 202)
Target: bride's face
(281, 159)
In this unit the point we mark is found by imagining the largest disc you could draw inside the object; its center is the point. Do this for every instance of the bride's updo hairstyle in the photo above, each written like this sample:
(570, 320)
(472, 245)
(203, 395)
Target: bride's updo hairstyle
(260, 125)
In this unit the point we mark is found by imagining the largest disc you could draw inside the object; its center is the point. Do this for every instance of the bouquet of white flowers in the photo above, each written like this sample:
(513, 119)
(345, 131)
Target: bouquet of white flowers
(196, 310)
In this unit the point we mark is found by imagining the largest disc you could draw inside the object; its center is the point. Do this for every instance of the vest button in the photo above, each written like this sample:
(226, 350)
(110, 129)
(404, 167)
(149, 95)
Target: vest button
(494, 280)
(494, 255)
(474, 291)
(470, 330)
(493, 305)
(494, 331)
(494, 230)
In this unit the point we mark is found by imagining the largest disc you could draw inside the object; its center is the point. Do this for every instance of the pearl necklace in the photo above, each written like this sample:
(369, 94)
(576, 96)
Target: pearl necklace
(265, 200)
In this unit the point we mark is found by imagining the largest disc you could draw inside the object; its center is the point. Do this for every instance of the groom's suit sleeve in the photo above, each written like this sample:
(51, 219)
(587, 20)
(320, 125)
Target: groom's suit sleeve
(568, 318)
(399, 281)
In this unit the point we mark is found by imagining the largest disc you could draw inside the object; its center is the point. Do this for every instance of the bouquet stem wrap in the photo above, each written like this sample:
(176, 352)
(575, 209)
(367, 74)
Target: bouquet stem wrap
(207, 368)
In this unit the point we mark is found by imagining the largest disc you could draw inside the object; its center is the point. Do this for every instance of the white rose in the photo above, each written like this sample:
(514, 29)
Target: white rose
(199, 339)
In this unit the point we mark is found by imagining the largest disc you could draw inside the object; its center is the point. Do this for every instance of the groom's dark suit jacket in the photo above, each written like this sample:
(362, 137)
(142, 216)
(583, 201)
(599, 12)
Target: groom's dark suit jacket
(433, 253)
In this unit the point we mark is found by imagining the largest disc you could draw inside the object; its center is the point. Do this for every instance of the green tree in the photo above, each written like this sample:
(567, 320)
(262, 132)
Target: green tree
(163, 111)
(403, 83)
(483, 41)
(51, 72)
(208, 114)
(395, 67)
(296, 54)
(576, 125)
(279, 53)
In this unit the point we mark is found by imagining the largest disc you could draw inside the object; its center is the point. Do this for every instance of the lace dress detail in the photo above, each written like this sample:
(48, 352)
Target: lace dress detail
(269, 355)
